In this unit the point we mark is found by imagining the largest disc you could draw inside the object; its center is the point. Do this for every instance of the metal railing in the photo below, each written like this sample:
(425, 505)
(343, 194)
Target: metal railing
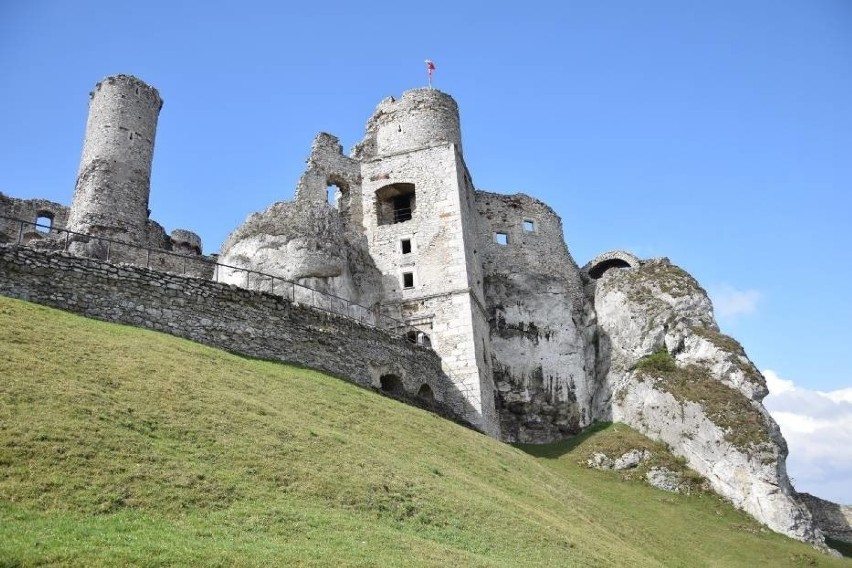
(402, 214)
(116, 251)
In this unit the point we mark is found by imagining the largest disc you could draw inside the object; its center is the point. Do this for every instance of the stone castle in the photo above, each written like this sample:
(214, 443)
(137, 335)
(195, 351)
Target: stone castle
(530, 346)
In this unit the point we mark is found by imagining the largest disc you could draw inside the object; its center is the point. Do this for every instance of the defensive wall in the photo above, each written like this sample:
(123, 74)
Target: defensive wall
(247, 322)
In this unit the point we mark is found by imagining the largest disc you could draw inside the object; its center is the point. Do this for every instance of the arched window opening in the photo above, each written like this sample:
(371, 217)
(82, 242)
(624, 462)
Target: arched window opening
(391, 384)
(44, 222)
(598, 270)
(395, 203)
(426, 393)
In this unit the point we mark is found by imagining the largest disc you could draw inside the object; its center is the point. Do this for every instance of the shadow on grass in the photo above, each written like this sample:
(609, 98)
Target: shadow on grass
(840, 546)
(555, 450)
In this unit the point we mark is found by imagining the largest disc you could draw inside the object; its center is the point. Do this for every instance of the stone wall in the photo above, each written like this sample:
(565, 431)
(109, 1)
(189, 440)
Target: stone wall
(419, 119)
(252, 323)
(114, 179)
(29, 210)
(543, 364)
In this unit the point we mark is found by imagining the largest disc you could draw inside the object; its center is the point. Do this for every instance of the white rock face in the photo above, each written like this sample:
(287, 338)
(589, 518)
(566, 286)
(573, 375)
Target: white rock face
(304, 243)
(539, 359)
(703, 400)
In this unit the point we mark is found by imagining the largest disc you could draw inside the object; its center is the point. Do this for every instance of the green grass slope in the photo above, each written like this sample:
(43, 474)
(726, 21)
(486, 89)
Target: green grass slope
(120, 446)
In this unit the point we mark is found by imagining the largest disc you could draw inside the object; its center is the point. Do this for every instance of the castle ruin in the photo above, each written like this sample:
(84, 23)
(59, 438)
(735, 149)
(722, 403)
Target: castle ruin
(533, 347)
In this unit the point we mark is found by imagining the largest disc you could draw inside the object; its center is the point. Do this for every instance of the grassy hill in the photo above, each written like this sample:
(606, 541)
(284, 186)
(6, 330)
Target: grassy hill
(120, 446)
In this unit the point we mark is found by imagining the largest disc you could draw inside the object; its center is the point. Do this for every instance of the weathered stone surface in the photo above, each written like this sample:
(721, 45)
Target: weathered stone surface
(834, 520)
(703, 403)
(543, 366)
(628, 460)
(631, 459)
(664, 479)
(600, 461)
(113, 183)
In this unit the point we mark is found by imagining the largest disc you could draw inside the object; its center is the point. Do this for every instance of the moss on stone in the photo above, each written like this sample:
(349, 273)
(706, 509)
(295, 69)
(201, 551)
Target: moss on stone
(736, 354)
(745, 427)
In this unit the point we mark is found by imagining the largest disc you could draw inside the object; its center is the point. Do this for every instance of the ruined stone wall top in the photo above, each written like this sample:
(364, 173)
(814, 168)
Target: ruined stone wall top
(519, 233)
(420, 119)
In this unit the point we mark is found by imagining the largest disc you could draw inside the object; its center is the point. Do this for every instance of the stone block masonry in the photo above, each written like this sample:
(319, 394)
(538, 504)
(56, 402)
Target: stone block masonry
(242, 321)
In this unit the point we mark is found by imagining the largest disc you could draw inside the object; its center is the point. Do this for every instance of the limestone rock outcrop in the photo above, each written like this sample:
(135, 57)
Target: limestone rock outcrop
(833, 520)
(671, 375)
(304, 243)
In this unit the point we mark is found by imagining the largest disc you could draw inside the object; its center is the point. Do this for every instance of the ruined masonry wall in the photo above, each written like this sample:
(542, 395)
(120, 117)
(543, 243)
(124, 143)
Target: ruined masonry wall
(28, 210)
(222, 316)
(543, 372)
(421, 118)
(441, 295)
(541, 251)
(113, 183)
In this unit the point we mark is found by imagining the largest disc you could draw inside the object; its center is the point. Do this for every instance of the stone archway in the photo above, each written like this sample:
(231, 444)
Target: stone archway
(598, 266)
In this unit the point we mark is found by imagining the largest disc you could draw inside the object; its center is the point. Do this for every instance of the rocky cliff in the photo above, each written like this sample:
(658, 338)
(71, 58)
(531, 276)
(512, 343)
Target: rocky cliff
(668, 372)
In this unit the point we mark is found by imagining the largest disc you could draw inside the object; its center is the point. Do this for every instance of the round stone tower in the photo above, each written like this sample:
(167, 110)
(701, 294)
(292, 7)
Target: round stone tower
(420, 119)
(114, 180)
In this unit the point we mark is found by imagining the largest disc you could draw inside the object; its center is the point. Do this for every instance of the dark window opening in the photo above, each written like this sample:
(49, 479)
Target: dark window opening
(598, 270)
(44, 222)
(408, 280)
(425, 392)
(406, 246)
(395, 203)
(529, 226)
(391, 384)
(419, 338)
(501, 239)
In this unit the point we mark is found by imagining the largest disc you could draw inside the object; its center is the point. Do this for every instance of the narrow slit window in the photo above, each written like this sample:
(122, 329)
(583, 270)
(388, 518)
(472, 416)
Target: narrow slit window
(501, 239)
(406, 246)
(332, 195)
(529, 226)
(408, 280)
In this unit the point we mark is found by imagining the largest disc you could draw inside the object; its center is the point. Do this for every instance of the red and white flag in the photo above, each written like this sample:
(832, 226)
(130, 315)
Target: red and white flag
(430, 68)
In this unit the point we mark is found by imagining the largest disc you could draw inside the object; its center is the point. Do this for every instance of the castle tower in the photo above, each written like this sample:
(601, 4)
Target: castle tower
(114, 180)
(420, 220)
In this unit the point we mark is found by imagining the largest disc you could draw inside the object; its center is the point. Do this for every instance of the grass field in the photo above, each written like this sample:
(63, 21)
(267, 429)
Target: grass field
(120, 446)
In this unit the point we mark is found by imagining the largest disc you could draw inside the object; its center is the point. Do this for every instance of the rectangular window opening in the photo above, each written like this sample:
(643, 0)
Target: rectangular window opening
(406, 246)
(501, 239)
(408, 280)
(529, 226)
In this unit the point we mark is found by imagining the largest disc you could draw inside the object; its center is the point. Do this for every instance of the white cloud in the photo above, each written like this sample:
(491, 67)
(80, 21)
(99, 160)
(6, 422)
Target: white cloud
(730, 302)
(818, 429)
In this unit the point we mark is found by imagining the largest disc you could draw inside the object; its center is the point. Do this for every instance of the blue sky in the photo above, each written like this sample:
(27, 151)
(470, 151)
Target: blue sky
(718, 134)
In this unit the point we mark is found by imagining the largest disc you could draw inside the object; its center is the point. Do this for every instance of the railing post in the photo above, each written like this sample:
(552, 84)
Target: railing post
(67, 235)
(20, 232)
(109, 248)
